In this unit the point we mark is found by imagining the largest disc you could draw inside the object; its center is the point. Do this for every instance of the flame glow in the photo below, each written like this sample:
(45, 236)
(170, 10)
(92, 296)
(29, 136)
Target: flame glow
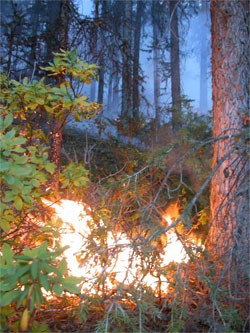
(123, 263)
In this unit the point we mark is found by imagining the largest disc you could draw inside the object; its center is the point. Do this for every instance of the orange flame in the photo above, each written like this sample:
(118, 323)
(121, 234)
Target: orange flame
(124, 266)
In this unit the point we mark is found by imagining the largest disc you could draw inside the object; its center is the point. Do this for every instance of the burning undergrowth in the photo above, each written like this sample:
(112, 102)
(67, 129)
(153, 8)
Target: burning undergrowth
(106, 258)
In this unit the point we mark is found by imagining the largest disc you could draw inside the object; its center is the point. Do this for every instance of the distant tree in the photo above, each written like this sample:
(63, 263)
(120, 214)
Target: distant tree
(57, 122)
(137, 21)
(36, 10)
(13, 24)
(102, 56)
(175, 64)
(204, 52)
(126, 61)
(156, 54)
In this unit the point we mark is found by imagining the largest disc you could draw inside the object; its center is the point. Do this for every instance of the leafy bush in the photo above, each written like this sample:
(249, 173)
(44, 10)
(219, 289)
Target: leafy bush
(25, 170)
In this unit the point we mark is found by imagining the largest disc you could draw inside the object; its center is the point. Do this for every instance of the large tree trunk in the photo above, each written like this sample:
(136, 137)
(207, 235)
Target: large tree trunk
(229, 200)
(175, 65)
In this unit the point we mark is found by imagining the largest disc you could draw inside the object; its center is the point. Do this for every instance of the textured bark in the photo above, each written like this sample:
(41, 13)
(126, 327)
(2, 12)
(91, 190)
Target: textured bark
(101, 82)
(101, 63)
(136, 65)
(203, 60)
(175, 65)
(53, 28)
(35, 12)
(126, 63)
(57, 124)
(156, 33)
(229, 199)
(94, 52)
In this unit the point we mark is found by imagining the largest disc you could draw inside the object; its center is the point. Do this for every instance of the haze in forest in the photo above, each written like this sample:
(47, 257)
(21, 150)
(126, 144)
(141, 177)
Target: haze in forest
(95, 45)
(195, 51)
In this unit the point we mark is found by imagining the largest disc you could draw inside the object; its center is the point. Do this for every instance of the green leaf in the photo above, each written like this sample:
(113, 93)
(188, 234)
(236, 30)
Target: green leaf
(18, 141)
(5, 226)
(9, 196)
(7, 254)
(21, 271)
(25, 278)
(9, 135)
(44, 282)
(20, 171)
(47, 268)
(18, 203)
(50, 167)
(40, 101)
(6, 272)
(34, 269)
(42, 249)
(72, 280)
(22, 297)
(62, 267)
(80, 100)
(57, 289)
(31, 253)
(72, 288)
(38, 295)
(27, 199)
(10, 297)
(23, 257)
(9, 179)
(77, 117)
(19, 150)
(7, 286)
(35, 159)
(32, 300)
(48, 109)
(35, 183)
(21, 159)
(7, 121)
(4, 165)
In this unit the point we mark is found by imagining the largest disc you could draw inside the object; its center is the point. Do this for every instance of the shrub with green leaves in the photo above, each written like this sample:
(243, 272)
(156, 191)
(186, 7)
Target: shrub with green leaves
(32, 101)
(23, 172)
(25, 277)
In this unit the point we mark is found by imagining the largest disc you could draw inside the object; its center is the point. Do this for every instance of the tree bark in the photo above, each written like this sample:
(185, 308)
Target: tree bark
(229, 198)
(155, 14)
(35, 13)
(126, 61)
(101, 64)
(136, 56)
(175, 65)
(57, 124)
(203, 61)
(53, 29)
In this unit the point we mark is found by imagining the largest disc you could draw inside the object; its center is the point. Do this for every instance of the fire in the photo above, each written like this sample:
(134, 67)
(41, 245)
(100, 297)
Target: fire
(118, 261)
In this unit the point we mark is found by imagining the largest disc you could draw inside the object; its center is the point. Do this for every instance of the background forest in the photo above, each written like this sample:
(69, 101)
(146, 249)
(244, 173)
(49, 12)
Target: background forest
(101, 122)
